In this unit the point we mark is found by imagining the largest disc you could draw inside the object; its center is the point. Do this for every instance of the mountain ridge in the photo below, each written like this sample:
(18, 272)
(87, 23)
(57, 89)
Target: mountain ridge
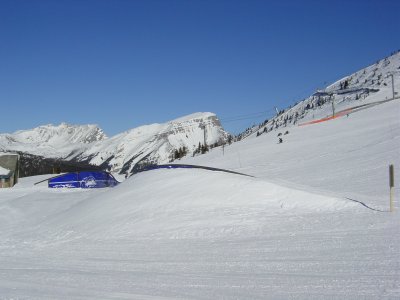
(88, 144)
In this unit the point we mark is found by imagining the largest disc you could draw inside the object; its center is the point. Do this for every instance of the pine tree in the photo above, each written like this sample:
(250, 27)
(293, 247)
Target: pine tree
(180, 152)
(176, 154)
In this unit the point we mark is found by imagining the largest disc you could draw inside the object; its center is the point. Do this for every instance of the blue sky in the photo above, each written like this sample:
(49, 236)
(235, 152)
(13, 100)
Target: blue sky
(121, 64)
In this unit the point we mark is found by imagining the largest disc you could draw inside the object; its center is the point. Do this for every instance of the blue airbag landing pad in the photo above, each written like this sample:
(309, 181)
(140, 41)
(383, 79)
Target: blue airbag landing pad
(83, 179)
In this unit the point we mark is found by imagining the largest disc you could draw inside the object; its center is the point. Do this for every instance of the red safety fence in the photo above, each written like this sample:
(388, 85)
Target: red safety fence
(337, 115)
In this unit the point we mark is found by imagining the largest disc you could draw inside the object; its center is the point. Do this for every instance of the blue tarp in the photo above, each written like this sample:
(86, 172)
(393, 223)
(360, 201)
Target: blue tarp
(83, 179)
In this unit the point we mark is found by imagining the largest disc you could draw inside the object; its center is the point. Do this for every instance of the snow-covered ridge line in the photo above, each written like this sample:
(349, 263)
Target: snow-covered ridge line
(57, 134)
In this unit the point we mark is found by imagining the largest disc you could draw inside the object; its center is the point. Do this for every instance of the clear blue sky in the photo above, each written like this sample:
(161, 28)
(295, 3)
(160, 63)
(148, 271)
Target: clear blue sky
(121, 63)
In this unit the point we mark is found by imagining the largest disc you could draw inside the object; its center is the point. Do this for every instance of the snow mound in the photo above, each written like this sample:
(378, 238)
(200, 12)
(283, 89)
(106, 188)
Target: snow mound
(169, 204)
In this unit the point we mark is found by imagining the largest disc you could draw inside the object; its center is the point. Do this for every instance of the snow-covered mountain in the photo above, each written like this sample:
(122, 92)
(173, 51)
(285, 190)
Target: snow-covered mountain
(154, 143)
(353, 90)
(52, 141)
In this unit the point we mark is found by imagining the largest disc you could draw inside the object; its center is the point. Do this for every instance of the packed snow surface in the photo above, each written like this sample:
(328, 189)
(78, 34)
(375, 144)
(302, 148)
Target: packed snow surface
(192, 234)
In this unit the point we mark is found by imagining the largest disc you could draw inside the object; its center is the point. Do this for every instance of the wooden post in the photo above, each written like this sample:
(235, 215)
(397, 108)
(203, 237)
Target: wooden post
(391, 185)
(393, 94)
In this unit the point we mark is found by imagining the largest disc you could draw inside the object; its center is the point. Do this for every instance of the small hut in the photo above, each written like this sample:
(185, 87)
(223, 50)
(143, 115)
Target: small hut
(9, 169)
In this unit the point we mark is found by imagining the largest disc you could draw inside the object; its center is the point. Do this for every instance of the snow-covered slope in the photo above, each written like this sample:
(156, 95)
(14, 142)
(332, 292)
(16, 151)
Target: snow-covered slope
(356, 89)
(146, 144)
(347, 156)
